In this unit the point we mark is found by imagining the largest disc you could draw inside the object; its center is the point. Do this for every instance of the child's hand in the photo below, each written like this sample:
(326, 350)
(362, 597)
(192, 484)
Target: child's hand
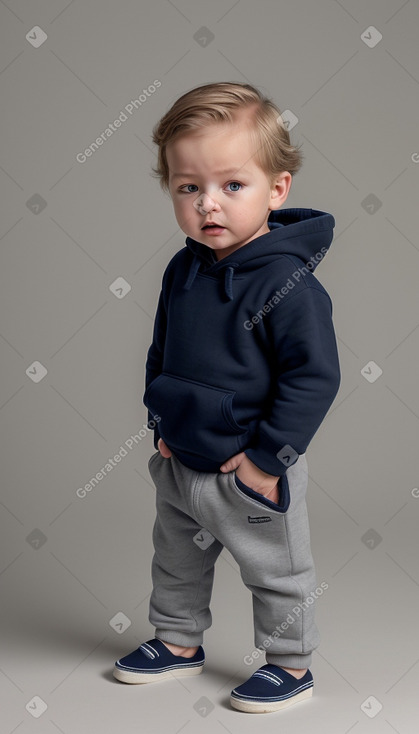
(164, 449)
(252, 476)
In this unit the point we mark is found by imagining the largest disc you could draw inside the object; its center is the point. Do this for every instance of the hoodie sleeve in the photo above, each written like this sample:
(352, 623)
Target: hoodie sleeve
(306, 379)
(154, 362)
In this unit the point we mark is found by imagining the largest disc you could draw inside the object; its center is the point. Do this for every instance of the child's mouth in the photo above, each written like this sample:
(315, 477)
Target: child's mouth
(213, 229)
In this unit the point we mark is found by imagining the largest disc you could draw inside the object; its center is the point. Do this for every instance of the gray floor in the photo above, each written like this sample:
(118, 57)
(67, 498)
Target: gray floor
(60, 647)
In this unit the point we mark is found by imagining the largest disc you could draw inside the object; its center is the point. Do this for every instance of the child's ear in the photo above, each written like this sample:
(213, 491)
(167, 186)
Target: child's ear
(280, 189)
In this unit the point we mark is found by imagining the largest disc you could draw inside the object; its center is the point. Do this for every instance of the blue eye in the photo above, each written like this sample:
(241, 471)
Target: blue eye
(187, 186)
(234, 183)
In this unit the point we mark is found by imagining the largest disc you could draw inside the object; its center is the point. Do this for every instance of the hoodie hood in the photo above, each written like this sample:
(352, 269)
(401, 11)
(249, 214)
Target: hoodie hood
(302, 233)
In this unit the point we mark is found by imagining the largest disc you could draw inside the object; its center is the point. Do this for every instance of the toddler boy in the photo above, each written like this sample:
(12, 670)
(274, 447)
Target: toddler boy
(241, 372)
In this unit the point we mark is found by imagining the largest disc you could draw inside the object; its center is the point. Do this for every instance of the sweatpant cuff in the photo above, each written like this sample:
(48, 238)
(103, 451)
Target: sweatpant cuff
(289, 661)
(185, 639)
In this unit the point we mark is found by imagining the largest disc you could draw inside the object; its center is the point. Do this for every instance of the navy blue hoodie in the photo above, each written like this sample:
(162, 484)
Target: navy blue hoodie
(244, 354)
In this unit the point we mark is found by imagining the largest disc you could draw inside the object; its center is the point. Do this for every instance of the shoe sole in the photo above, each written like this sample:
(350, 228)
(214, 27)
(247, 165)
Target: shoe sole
(128, 676)
(265, 707)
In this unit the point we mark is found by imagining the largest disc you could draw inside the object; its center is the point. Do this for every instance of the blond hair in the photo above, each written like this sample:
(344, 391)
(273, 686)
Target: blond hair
(222, 102)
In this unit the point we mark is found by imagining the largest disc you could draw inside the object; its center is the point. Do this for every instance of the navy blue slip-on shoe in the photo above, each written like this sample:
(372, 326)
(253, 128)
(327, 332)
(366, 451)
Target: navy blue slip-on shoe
(271, 688)
(153, 661)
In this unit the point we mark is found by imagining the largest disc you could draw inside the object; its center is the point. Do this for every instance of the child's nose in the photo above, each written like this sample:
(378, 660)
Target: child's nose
(205, 203)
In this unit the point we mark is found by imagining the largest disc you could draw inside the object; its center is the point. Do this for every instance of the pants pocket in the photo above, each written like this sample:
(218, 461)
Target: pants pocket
(249, 493)
(152, 460)
(156, 453)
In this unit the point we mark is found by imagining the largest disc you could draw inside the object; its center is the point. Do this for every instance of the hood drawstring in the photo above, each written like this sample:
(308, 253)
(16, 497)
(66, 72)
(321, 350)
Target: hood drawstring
(192, 272)
(228, 280)
(228, 276)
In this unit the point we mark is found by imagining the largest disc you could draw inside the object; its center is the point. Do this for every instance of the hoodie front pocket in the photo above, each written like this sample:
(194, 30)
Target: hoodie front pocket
(195, 417)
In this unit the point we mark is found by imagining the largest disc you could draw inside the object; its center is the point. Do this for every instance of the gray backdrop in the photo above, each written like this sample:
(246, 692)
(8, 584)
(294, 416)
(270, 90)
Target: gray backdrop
(84, 242)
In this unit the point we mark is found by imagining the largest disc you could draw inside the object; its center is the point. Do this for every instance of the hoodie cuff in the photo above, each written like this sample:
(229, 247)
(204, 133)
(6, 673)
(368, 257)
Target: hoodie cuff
(267, 459)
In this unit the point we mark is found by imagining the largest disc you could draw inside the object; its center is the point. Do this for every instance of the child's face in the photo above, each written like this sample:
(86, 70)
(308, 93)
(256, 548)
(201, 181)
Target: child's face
(240, 199)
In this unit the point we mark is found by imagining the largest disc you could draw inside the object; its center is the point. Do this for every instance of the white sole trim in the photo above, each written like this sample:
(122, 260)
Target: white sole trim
(262, 707)
(127, 676)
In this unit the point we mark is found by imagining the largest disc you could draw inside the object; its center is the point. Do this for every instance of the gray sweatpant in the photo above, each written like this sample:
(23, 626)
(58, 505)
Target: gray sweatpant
(200, 512)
